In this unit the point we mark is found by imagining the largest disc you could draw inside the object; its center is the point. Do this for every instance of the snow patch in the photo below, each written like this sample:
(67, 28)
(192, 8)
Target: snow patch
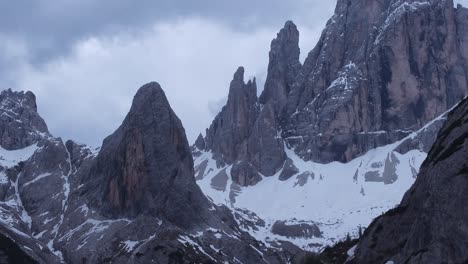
(10, 158)
(129, 245)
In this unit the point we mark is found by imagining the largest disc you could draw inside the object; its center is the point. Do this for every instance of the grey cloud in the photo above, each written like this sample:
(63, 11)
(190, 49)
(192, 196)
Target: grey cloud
(85, 94)
(51, 27)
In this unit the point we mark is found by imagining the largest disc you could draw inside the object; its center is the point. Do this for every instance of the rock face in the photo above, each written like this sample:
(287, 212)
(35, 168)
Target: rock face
(283, 67)
(380, 71)
(254, 123)
(34, 171)
(299, 230)
(10, 252)
(391, 70)
(246, 132)
(145, 166)
(20, 124)
(430, 225)
(228, 133)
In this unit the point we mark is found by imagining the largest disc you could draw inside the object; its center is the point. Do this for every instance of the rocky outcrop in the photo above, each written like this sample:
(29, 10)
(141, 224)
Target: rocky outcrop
(200, 142)
(429, 226)
(283, 67)
(245, 135)
(296, 230)
(383, 73)
(228, 133)
(145, 166)
(10, 252)
(20, 124)
(247, 129)
(15, 248)
(244, 174)
(289, 170)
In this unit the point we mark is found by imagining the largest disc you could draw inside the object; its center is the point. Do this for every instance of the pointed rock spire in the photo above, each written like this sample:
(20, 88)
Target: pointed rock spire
(200, 142)
(145, 166)
(283, 67)
(233, 125)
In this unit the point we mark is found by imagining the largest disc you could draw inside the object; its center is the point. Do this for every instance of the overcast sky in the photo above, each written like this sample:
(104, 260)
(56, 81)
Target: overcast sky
(85, 59)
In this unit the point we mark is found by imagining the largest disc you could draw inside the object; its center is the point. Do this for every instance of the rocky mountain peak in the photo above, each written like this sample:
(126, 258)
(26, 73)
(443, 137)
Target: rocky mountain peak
(239, 75)
(20, 123)
(200, 142)
(145, 166)
(239, 90)
(232, 126)
(283, 67)
(25, 99)
(141, 189)
(246, 131)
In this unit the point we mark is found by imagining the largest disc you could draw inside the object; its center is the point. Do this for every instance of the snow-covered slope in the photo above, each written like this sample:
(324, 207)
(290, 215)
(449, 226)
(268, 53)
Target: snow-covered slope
(322, 203)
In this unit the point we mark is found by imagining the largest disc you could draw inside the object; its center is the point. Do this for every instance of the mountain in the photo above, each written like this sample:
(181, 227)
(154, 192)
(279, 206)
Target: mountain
(328, 145)
(429, 226)
(134, 200)
(336, 141)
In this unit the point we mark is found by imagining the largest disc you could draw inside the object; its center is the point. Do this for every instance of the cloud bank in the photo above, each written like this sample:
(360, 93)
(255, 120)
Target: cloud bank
(86, 94)
(85, 59)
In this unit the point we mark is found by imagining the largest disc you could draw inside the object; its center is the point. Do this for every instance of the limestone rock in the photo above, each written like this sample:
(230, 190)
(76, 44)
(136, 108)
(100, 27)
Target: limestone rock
(244, 174)
(20, 124)
(296, 230)
(391, 70)
(289, 170)
(283, 67)
(145, 166)
(228, 133)
(429, 226)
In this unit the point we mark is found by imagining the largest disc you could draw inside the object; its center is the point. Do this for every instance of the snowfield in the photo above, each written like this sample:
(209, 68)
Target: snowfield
(338, 198)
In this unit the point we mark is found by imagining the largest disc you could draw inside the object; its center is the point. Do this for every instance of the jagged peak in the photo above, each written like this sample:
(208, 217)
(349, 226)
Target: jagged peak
(21, 98)
(150, 95)
(289, 23)
(289, 31)
(145, 158)
(149, 89)
(287, 39)
(200, 142)
(284, 65)
(239, 74)
(238, 84)
(252, 81)
(21, 125)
